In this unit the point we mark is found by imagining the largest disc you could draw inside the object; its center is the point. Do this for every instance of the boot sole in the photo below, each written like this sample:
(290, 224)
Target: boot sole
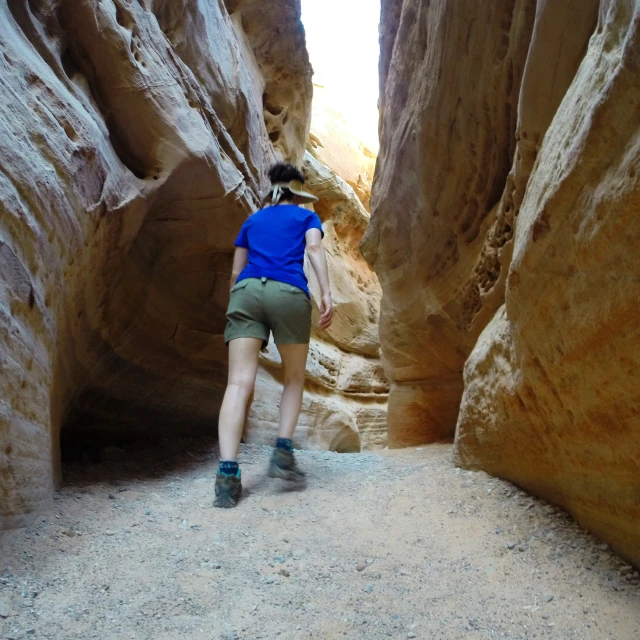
(225, 502)
(284, 474)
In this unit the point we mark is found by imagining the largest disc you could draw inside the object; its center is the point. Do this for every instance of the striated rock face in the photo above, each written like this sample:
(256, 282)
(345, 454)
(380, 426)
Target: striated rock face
(134, 140)
(552, 396)
(345, 401)
(515, 117)
(461, 124)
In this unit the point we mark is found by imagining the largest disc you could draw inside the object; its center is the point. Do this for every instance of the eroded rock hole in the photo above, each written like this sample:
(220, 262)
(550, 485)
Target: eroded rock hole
(123, 18)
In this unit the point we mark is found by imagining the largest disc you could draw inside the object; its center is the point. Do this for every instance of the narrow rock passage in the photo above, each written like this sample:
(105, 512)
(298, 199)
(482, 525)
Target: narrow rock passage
(398, 544)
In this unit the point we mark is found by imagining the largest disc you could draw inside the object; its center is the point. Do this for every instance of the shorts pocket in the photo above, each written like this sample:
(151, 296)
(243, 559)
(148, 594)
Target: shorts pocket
(240, 285)
(290, 288)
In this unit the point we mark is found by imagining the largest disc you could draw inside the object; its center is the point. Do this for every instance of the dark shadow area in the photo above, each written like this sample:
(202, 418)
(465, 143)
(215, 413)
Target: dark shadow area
(119, 461)
(92, 460)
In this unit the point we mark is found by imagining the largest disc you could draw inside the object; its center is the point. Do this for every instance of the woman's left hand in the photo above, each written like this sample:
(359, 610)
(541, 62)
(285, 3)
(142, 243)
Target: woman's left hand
(326, 311)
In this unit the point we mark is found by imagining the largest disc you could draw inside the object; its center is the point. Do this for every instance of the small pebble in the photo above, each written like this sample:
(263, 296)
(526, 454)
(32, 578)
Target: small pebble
(548, 597)
(361, 566)
(368, 588)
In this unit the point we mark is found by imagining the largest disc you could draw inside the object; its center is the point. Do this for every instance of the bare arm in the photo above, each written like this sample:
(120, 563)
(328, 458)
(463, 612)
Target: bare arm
(318, 260)
(240, 258)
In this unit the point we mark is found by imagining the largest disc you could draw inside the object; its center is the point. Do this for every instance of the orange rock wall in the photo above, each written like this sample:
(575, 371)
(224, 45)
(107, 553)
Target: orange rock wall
(508, 176)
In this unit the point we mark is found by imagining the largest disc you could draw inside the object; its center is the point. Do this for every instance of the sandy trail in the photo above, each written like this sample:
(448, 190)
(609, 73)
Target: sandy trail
(393, 545)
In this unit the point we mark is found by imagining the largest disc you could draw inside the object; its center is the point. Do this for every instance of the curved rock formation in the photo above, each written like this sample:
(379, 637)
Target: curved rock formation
(516, 116)
(460, 129)
(345, 401)
(551, 389)
(135, 140)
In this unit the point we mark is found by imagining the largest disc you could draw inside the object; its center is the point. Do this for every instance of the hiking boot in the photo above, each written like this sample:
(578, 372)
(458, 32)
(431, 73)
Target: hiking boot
(283, 465)
(228, 490)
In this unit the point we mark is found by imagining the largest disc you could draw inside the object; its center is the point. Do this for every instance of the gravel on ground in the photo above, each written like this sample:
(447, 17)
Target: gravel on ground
(395, 544)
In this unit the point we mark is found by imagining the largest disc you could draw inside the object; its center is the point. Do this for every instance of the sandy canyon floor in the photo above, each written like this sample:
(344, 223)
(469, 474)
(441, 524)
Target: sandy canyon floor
(393, 545)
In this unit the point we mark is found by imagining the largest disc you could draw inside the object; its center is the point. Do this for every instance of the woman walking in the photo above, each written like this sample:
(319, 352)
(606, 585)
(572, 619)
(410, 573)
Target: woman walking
(269, 294)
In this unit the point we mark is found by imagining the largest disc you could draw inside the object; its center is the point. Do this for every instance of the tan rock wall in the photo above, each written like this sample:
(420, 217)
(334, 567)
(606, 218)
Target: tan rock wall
(460, 130)
(345, 400)
(134, 140)
(517, 117)
(551, 389)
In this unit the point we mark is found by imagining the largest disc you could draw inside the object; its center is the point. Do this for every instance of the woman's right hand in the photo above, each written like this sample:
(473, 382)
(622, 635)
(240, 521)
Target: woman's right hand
(326, 311)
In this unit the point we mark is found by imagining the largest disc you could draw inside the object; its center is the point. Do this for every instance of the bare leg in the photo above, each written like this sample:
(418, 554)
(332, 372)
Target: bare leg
(294, 364)
(243, 366)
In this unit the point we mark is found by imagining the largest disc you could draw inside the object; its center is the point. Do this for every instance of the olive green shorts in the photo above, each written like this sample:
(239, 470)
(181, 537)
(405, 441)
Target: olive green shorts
(260, 305)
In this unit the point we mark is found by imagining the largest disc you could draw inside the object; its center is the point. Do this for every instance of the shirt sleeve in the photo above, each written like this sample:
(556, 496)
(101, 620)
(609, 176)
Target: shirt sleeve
(314, 222)
(242, 240)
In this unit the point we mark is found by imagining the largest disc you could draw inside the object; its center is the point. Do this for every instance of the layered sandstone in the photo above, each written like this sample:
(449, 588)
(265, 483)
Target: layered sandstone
(515, 117)
(345, 400)
(134, 141)
(460, 130)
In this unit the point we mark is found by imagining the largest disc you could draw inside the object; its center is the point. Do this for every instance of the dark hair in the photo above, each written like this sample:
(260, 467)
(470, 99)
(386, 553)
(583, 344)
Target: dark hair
(284, 172)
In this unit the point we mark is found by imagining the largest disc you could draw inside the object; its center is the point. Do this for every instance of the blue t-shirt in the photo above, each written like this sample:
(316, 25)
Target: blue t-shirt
(275, 238)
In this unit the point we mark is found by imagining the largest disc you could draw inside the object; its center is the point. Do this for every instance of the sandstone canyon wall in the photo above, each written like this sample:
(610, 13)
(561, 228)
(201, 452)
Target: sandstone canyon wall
(345, 400)
(505, 232)
(135, 136)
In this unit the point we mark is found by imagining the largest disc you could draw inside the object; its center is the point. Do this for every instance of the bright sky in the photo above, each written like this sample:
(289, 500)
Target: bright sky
(342, 38)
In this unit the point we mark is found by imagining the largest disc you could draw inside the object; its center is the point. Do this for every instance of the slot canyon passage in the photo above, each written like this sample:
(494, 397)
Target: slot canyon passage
(471, 420)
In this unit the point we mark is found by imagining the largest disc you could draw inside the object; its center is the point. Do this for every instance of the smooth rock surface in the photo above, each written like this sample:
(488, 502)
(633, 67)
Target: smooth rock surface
(551, 396)
(461, 127)
(515, 117)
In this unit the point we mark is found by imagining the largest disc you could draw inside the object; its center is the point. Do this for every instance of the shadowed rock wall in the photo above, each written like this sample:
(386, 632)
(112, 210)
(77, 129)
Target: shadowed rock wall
(508, 173)
(135, 138)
